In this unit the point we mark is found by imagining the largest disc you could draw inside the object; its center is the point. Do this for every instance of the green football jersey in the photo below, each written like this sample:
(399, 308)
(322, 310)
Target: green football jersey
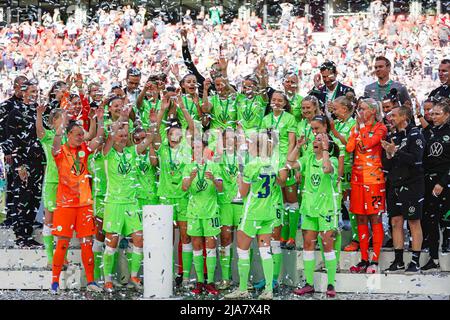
(320, 193)
(304, 129)
(261, 202)
(146, 174)
(97, 170)
(344, 128)
(191, 108)
(296, 107)
(223, 112)
(203, 195)
(282, 125)
(121, 175)
(250, 112)
(51, 172)
(229, 170)
(171, 166)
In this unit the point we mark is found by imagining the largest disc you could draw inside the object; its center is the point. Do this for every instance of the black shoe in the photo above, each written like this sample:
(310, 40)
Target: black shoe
(7, 223)
(395, 267)
(389, 244)
(413, 268)
(445, 249)
(425, 246)
(179, 280)
(21, 243)
(33, 243)
(431, 266)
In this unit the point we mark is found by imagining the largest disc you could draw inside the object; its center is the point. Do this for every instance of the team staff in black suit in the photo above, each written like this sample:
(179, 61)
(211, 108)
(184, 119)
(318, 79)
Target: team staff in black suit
(27, 164)
(437, 178)
(5, 108)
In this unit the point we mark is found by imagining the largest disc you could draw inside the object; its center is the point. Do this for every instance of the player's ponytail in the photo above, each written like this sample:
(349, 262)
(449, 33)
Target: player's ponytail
(348, 101)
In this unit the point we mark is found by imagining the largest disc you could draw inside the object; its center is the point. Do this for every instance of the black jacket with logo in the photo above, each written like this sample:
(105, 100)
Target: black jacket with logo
(437, 153)
(406, 166)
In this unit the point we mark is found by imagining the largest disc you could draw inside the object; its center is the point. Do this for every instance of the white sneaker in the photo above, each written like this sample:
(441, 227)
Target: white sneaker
(238, 294)
(94, 287)
(266, 295)
(373, 268)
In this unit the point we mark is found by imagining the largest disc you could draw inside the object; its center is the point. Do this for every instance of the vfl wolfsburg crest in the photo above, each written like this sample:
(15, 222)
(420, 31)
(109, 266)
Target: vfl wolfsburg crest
(315, 180)
(173, 167)
(232, 170)
(124, 168)
(144, 167)
(224, 117)
(247, 114)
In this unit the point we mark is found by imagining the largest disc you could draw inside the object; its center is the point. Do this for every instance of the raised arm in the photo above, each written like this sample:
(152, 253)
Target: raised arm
(142, 147)
(206, 105)
(223, 66)
(327, 167)
(188, 59)
(140, 99)
(293, 156)
(58, 135)
(186, 114)
(261, 73)
(153, 156)
(95, 143)
(187, 181)
(88, 136)
(159, 118)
